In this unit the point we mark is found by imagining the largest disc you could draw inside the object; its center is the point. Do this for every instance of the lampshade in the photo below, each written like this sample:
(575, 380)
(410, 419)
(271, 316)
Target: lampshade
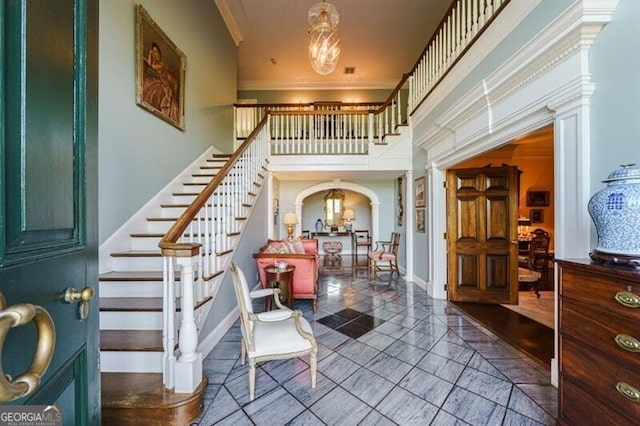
(290, 218)
(348, 214)
(324, 37)
(524, 221)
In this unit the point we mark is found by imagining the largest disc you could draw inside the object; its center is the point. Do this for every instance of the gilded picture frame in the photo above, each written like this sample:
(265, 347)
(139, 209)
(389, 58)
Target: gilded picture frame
(420, 192)
(420, 220)
(160, 71)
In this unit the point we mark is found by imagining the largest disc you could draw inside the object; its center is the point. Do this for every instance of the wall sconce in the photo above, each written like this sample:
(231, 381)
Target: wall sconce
(348, 217)
(290, 219)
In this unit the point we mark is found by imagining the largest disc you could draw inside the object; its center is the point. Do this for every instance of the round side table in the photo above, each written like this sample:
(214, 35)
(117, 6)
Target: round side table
(282, 279)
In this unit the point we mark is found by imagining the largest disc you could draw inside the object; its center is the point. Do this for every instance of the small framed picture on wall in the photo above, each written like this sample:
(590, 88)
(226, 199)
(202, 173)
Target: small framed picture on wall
(420, 192)
(537, 215)
(420, 220)
(538, 198)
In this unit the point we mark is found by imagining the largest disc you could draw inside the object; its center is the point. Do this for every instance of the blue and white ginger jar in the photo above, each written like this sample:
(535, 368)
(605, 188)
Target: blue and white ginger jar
(615, 211)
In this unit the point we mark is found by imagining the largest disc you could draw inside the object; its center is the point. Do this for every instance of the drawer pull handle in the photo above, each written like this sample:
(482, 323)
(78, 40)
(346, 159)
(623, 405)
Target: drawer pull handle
(628, 299)
(628, 391)
(628, 343)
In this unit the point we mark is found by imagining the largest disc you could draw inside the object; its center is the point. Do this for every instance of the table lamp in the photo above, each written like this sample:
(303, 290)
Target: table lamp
(523, 227)
(290, 219)
(348, 217)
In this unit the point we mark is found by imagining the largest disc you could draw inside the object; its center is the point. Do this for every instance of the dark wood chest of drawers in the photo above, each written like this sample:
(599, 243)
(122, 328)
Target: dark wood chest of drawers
(599, 344)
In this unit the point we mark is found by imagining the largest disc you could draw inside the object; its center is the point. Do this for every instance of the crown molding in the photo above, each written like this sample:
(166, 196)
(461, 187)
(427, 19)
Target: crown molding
(230, 21)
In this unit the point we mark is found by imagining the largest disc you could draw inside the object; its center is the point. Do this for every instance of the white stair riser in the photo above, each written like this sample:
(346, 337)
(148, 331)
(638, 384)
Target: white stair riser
(137, 263)
(182, 199)
(130, 289)
(131, 362)
(130, 320)
(172, 211)
(191, 188)
(202, 179)
(145, 243)
(158, 227)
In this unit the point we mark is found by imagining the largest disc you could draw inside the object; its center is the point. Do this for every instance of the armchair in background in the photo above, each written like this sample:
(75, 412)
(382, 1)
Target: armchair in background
(386, 252)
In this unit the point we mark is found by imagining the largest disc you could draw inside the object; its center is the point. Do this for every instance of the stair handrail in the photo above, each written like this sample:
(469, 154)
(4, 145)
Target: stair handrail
(458, 30)
(207, 225)
(169, 242)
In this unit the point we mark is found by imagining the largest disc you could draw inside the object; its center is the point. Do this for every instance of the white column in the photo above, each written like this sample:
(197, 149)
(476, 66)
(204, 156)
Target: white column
(437, 212)
(409, 225)
(270, 212)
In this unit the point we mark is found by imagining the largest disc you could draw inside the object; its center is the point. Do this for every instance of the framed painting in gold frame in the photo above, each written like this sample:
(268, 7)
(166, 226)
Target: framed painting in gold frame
(160, 71)
(420, 192)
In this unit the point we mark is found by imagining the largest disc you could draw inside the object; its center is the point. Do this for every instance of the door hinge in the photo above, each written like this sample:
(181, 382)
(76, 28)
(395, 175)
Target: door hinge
(444, 183)
(444, 235)
(445, 287)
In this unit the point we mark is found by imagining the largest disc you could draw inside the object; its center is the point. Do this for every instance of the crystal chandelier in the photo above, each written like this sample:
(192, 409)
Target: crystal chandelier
(324, 37)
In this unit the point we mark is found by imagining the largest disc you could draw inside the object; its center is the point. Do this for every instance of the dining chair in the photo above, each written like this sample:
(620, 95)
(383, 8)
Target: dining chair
(361, 238)
(277, 334)
(537, 257)
(386, 252)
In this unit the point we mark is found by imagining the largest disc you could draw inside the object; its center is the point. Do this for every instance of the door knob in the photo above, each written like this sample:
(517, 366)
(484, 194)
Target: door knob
(83, 296)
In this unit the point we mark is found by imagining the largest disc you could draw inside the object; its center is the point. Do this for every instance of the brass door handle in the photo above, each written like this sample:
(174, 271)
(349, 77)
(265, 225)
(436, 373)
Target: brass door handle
(83, 296)
(17, 315)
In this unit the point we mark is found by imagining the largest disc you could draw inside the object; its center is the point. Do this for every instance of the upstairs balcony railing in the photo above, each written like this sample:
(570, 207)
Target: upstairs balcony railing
(328, 128)
(459, 29)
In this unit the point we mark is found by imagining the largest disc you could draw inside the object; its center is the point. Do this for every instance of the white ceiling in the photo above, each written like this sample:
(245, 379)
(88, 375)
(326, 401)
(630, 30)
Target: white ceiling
(382, 39)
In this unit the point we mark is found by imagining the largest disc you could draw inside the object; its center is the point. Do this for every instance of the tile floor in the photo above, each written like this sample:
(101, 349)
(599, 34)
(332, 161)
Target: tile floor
(388, 354)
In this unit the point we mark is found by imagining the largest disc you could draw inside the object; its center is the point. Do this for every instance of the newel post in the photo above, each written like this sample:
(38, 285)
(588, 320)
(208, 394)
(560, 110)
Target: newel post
(188, 368)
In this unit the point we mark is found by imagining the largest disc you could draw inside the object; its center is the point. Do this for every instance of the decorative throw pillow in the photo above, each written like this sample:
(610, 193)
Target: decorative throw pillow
(278, 247)
(298, 246)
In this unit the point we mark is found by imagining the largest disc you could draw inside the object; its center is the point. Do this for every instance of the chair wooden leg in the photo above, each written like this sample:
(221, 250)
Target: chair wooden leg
(252, 379)
(314, 368)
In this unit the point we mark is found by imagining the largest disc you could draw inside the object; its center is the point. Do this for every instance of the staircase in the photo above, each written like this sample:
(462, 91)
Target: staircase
(131, 315)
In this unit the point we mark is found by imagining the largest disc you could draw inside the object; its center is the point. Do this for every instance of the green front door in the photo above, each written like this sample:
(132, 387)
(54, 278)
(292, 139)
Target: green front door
(48, 198)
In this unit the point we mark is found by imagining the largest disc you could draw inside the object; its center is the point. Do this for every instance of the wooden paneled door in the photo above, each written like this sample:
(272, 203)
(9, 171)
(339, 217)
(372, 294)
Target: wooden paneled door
(49, 205)
(482, 235)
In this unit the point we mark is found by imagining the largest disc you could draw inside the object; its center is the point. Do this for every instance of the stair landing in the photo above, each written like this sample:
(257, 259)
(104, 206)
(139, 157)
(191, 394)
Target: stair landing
(140, 398)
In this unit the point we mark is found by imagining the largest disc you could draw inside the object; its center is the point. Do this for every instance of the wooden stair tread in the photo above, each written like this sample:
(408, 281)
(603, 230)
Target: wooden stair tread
(137, 253)
(134, 304)
(131, 340)
(139, 398)
(140, 304)
(146, 235)
(132, 276)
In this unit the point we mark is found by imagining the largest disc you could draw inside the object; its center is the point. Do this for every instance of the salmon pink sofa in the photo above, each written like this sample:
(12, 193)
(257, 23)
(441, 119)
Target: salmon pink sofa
(301, 253)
